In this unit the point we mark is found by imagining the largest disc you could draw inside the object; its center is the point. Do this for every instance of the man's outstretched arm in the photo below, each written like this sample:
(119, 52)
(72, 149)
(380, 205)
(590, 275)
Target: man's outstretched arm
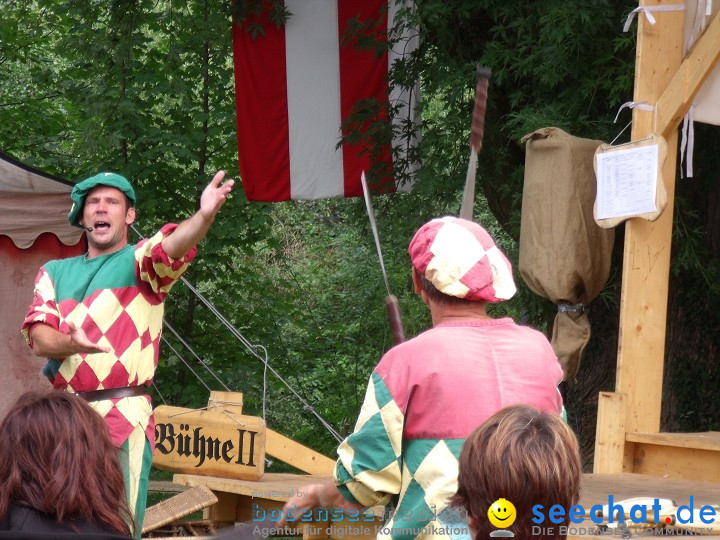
(51, 343)
(191, 231)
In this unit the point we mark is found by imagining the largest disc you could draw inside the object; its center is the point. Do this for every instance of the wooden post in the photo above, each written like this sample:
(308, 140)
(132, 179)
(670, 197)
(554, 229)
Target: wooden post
(225, 401)
(646, 264)
(610, 433)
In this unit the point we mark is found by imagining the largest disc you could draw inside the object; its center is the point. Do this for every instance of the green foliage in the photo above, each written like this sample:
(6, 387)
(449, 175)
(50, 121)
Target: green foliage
(253, 15)
(146, 89)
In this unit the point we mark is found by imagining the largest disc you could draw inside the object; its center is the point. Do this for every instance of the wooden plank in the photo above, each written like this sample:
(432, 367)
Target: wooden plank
(295, 454)
(206, 442)
(225, 401)
(672, 462)
(646, 264)
(224, 513)
(177, 507)
(164, 486)
(677, 98)
(709, 440)
(258, 508)
(273, 486)
(256, 500)
(628, 453)
(610, 433)
(595, 489)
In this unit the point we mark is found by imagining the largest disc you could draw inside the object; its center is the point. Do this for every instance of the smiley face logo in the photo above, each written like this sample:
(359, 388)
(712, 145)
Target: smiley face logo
(502, 513)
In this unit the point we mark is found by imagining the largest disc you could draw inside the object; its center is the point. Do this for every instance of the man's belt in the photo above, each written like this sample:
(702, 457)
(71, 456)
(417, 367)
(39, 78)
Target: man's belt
(112, 393)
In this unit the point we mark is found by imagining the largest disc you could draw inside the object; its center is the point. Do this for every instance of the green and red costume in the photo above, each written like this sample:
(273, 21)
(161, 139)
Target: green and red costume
(422, 401)
(117, 299)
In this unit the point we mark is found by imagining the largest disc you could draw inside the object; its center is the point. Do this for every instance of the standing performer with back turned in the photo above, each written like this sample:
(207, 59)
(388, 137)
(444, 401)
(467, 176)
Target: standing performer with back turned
(98, 317)
(427, 394)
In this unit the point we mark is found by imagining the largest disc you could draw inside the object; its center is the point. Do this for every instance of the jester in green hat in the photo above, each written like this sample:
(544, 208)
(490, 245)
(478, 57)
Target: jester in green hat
(98, 317)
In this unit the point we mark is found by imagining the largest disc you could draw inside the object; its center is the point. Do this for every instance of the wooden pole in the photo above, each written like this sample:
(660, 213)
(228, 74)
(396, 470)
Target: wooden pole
(677, 98)
(646, 263)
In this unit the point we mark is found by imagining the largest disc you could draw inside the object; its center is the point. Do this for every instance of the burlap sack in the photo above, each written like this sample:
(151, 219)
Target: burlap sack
(564, 255)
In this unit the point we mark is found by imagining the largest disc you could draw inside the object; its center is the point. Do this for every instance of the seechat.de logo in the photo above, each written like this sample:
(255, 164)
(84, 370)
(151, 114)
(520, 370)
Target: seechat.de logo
(502, 514)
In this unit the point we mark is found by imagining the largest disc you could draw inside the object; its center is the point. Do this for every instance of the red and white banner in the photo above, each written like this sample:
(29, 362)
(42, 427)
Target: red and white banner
(294, 87)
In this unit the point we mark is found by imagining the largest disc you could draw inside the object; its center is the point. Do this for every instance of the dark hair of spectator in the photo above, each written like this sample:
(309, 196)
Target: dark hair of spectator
(56, 456)
(522, 455)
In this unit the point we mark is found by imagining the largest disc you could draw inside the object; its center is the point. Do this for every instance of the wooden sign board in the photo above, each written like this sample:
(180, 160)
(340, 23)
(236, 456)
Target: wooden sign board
(212, 443)
(633, 174)
(231, 402)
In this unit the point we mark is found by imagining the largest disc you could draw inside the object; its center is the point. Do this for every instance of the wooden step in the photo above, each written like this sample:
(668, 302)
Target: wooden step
(708, 440)
(692, 456)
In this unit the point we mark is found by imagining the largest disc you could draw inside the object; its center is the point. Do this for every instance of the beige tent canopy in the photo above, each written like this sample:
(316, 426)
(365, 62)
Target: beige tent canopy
(50, 202)
(33, 230)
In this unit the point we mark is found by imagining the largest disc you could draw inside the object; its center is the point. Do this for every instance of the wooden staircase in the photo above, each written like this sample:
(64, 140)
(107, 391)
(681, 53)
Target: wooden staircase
(689, 456)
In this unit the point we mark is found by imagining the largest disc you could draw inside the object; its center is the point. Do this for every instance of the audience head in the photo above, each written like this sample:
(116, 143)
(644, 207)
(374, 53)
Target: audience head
(56, 456)
(524, 456)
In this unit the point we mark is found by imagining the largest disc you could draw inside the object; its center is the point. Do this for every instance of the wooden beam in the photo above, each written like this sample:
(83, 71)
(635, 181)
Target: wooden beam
(708, 440)
(646, 264)
(676, 462)
(293, 453)
(677, 98)
(610, 433)
(224, 512)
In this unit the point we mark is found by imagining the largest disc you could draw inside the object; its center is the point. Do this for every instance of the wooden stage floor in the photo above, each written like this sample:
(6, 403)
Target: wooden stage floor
(595, 489)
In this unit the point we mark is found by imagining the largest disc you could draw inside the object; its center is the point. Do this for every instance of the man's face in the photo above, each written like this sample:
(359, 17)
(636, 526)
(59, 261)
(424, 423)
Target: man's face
(106, 212)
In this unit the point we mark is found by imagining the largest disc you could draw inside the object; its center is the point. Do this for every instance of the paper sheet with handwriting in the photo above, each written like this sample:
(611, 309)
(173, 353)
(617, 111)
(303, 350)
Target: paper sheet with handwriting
(627, 181)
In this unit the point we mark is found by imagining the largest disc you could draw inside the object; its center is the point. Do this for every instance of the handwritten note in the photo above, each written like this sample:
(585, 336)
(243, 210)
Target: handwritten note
(627, 182)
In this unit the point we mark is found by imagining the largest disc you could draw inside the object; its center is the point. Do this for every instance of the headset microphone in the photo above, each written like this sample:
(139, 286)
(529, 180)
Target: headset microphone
(89, 229)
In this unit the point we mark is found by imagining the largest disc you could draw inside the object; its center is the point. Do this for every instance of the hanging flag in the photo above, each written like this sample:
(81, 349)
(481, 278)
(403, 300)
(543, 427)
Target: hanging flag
(296, 85)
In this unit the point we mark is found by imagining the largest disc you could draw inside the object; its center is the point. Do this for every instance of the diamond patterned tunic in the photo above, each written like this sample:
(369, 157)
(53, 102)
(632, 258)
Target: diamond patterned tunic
(117, 299)
(423, 399)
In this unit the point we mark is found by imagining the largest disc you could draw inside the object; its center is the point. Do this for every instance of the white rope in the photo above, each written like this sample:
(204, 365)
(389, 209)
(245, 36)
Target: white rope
(621, 132)
(162, 398)
(647, 11)
(188, 365)
(190, 349)
(687, 145)
(640, 105)
(251, 348)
